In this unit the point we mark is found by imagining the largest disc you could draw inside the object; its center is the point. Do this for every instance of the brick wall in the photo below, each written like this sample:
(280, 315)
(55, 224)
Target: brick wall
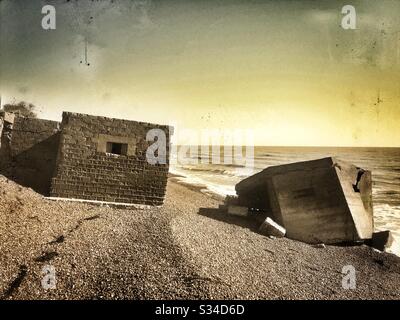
(86, 171)
(31, 153)
(28, 132)
(5, 143)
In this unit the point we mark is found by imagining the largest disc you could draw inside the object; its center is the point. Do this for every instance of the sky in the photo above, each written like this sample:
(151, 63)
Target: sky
(285, 69)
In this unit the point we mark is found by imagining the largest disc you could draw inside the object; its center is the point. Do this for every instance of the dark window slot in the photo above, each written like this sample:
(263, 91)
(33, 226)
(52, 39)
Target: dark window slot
(117, 148)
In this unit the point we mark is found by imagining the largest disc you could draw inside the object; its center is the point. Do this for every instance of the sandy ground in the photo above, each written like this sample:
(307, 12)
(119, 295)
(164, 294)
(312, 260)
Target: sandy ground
(186, 249)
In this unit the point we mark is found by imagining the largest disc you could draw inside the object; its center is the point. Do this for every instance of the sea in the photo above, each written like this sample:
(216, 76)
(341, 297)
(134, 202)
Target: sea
(196, 168)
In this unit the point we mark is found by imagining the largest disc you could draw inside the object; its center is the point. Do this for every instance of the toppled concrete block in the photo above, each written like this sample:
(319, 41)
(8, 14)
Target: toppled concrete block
(319, 201)
(382, 240)
(270, 228)
(238, 211)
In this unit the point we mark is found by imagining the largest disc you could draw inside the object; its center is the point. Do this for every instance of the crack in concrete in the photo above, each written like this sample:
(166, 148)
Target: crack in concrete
(359, 175)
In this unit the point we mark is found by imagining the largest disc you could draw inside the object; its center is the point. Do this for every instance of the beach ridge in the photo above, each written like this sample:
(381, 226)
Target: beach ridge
(177, 251)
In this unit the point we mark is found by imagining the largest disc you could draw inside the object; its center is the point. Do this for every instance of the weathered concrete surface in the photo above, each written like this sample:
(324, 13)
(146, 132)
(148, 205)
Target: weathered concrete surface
(356, 184)
(270, 228)
(238, 211)
(318, 201)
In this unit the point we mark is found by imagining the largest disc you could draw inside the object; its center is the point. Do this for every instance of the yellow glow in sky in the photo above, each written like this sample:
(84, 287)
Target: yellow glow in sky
(285, 69)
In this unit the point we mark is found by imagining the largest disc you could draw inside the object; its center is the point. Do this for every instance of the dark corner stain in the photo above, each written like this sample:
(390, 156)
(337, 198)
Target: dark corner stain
(47, 256)
(60, 239)
(23, 271)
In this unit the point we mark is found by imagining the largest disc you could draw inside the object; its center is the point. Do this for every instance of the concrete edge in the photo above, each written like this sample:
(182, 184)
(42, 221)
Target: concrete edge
(105, 203)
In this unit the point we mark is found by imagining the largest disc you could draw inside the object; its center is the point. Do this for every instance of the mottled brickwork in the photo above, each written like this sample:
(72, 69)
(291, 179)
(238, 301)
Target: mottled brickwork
(29, 152)
(28, 132)
(86, 171)
(6, 123)
(75, 159)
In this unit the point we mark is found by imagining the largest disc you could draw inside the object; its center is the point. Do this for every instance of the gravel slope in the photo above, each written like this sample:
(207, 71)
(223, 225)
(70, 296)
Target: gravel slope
(173, 252)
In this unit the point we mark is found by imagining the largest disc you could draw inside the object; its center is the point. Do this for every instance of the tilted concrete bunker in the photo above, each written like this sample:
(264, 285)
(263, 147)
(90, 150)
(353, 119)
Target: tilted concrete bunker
(84, 157)
(316, 201)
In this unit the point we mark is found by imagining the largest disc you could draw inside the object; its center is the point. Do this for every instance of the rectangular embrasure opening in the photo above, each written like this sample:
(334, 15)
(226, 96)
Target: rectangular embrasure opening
(117, 148)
